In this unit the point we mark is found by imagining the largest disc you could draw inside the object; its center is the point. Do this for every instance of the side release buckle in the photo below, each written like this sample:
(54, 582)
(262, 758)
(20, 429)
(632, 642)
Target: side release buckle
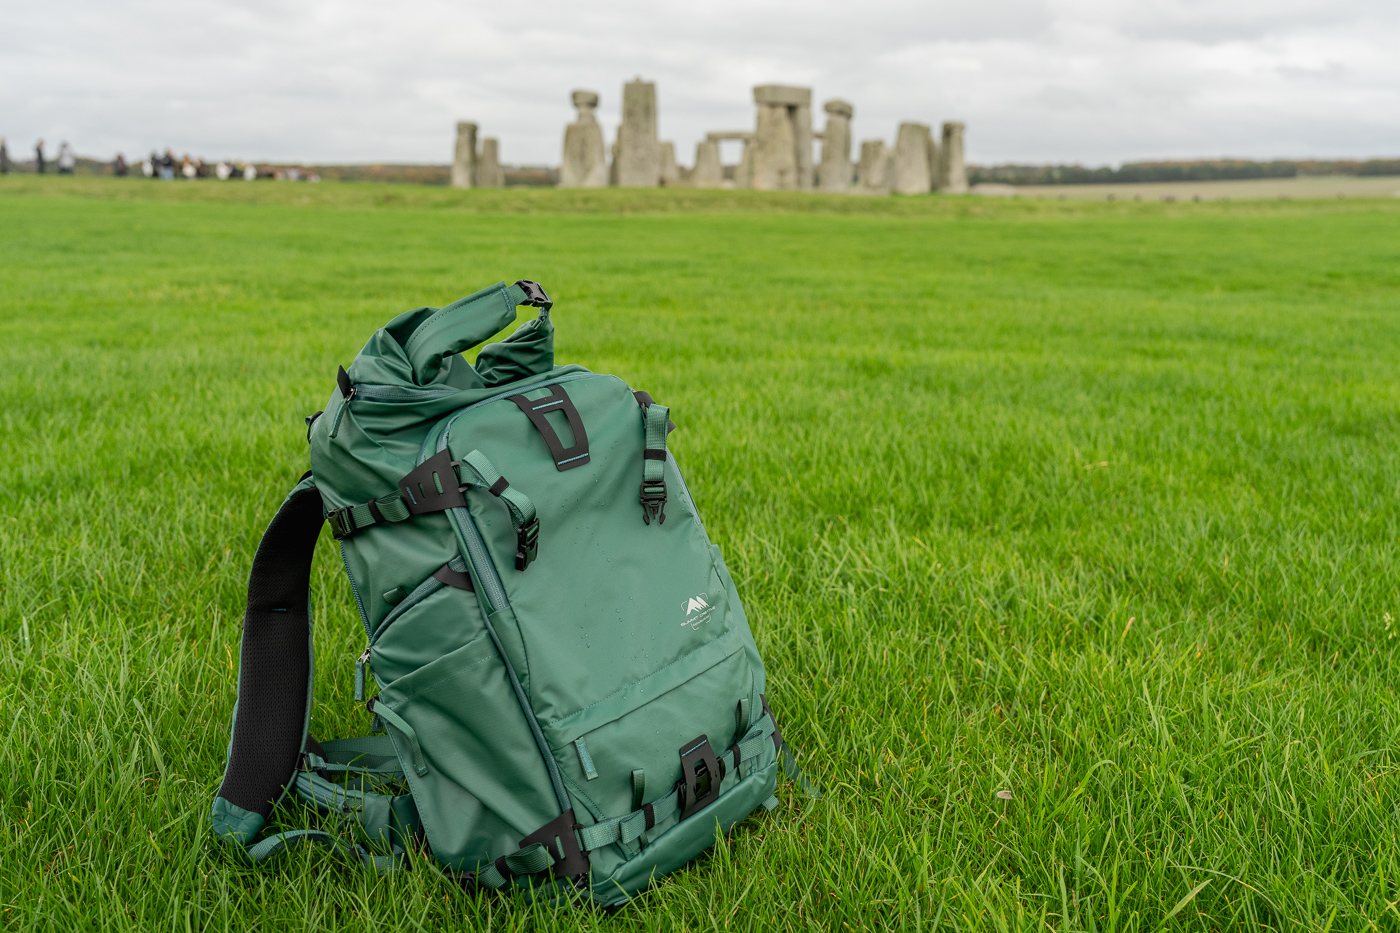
(535, 294)
(342, 523)
(653, 499)
(527, 543)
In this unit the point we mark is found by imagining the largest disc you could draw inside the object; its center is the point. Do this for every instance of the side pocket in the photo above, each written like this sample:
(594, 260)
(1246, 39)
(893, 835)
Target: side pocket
(431, 625)
(477, 748)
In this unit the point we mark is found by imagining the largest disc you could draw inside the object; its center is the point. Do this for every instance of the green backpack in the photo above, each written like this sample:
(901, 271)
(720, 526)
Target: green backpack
(573, 701)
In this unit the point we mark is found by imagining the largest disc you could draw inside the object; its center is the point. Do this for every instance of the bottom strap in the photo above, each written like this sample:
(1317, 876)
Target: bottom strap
(358, 854)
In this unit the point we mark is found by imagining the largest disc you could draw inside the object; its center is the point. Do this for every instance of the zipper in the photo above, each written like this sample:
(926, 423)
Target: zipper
(359, 603)
(392, 393)
(491, 583)
(360, 663)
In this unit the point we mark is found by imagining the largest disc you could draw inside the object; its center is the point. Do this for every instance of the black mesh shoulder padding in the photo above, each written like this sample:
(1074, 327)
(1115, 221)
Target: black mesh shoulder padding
(275, 665)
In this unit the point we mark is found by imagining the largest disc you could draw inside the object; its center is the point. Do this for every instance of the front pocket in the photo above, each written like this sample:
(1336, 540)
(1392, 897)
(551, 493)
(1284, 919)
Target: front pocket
(649, 733)
(485, 786)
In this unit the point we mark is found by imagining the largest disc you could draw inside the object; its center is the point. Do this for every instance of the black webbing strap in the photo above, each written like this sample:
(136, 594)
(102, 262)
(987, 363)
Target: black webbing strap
(274, 668)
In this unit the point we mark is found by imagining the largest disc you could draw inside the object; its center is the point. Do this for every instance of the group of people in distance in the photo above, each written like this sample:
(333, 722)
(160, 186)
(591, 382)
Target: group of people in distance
(64, 164)
(166, 167)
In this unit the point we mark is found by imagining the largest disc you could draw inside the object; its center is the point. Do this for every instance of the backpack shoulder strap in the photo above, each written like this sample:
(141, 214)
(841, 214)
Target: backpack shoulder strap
(275, 670)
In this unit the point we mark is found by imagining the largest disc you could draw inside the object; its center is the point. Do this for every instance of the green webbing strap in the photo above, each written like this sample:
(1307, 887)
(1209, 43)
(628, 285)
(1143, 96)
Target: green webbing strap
(388, 820)
(528, 861)
(398, 722)
(627, 829)
(359, 749)
(653, 496)
(794, 773)
(522, 510)
(387, 767)
(267, 848)
(354, 518)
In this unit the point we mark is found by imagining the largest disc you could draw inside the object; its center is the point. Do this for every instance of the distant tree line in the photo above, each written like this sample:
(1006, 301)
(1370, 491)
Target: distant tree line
(1203, 170)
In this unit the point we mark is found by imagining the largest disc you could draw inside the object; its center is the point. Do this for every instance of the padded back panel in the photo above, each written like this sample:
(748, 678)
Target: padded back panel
(275, 664)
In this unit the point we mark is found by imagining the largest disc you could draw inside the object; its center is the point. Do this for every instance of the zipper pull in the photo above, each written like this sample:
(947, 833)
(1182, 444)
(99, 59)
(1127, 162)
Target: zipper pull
(360, 676)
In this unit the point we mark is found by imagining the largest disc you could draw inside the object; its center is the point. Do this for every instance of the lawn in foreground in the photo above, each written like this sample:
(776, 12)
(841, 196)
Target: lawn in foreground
(1092, 506)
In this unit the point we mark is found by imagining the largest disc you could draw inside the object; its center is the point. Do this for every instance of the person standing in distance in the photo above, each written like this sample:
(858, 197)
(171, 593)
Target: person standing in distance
(65, 158)
(4, 157)
(39, 157)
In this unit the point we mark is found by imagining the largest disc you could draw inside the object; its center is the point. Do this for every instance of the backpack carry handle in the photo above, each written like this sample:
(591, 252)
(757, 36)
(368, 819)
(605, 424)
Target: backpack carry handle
(467, 322)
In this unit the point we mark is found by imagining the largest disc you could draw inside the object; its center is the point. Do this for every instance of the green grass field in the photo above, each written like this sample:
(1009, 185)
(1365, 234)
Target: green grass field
(1092, 504)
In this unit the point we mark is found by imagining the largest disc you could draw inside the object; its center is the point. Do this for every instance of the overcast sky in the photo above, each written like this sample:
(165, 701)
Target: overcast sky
(1094, 81)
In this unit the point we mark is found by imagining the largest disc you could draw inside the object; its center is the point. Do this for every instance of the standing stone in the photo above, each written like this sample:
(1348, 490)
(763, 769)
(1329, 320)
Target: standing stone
(743, 172)
(911, 174)
(952, 171)
(708, 172)
(585, 162)
(488, 165)
(873, 172)
(933, 152)
(781, 152)
(836, 147)
(638, 152)
(670, 171)
(464, 158)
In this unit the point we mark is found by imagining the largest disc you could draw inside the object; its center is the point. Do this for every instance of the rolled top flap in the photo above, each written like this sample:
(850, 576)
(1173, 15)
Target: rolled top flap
(460, 326)
(421, 348)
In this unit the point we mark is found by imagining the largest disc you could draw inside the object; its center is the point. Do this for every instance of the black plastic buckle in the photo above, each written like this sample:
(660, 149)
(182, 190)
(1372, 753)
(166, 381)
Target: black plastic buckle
(527, 543)
(534, 294)
(559, 838)
(700, 775)
(653, 499)
(342, 523)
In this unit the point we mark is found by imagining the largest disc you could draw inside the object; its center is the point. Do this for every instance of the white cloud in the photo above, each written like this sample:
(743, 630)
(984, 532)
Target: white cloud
(1036, 80)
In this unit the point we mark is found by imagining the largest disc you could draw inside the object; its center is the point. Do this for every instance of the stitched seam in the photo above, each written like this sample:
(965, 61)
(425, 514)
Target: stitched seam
(620, 690)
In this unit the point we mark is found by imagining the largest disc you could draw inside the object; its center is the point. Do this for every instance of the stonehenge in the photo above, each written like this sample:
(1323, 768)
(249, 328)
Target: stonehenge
(952, 172)
(777, 153)
(670, 171)
(708, 172)
(464, 157)
(488, 165)
(835, 172)
(912, 159)
(873, 172)
(638, 153)
(473, 167)
(585, 162)
(782, 140)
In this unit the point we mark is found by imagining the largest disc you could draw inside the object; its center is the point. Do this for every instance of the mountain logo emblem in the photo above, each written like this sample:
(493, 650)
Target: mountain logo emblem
(698, 611)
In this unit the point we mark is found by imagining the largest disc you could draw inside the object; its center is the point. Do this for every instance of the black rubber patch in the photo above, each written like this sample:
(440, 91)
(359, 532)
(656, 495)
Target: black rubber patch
(558, 837)
(454, 578)
(432, 486)
(557, 400)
